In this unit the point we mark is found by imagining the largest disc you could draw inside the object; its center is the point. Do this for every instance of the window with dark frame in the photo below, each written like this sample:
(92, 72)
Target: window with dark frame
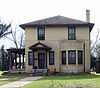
(80, 56)
(63, 57)
(51, 57)
(41, 34)
(71, 33)
(71, 57)
(30, 58)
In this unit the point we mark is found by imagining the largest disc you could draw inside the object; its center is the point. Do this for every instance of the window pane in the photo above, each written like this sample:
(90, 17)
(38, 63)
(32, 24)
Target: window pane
(71, 57)
(30, 58)
(71, 36)
(71, 30)
(80, 57)
(71, 33)
(51, 55)
(31, 55)
(41, 33)
(63, 57)
(51, 58)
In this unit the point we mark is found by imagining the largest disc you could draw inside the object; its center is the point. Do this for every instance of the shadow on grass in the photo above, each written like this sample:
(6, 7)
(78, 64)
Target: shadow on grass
(70, 77)
(14, 75)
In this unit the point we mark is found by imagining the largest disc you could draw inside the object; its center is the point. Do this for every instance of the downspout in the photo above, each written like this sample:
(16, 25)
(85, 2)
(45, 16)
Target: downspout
(46, 60)
(60, 56)
(33, 58)
(84, 55)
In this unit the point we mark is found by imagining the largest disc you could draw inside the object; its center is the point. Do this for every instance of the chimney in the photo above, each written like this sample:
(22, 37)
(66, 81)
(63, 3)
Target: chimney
(88, 16)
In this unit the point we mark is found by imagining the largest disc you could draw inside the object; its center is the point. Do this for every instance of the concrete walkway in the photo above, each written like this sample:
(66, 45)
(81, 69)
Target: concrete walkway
(21, 82)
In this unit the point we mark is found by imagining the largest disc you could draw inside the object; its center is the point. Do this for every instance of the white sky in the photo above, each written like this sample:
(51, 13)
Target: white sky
(23, 11)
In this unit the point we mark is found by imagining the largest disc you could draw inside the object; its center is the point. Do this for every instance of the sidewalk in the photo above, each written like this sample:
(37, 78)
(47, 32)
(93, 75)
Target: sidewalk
(21, 82)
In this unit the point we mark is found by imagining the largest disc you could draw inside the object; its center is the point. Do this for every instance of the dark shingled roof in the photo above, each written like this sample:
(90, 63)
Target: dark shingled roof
(55, 21)
(16, 50)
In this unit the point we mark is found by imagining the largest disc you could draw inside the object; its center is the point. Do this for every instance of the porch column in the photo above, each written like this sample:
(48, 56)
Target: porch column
(15, 60)
(19, 61)
(23, 60)
(12, 59)
(10, 55)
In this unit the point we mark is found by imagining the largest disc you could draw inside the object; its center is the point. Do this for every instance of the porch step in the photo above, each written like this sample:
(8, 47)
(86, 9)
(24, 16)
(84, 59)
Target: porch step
(39, 72)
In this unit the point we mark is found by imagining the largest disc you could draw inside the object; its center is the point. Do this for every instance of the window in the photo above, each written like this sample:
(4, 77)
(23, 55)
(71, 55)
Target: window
(80, 56)
(63, 57)
(71, 57)
(41, 34)
(51, 58)
(30, 58)
(71, 33)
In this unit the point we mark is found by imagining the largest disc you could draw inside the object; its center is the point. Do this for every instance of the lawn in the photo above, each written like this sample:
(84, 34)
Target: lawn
(4, 79)
(86, 81)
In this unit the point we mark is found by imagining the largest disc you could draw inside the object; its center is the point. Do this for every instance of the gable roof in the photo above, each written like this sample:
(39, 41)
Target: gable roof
(39, 46)
(55, 21)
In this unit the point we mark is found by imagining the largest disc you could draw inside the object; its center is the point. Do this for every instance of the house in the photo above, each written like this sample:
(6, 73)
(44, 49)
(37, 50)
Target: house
(59, 44)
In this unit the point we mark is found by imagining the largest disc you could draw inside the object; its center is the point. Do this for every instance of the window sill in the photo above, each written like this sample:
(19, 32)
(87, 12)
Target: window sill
(64, 64)
(80, 64)
(71, 64)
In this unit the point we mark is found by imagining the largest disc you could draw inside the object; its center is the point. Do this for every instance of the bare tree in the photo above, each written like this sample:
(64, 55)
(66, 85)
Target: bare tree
(93, 46)
(97, 51)
(17, 37)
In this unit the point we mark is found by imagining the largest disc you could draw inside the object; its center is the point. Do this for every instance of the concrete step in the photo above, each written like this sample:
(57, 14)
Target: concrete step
(39, 72)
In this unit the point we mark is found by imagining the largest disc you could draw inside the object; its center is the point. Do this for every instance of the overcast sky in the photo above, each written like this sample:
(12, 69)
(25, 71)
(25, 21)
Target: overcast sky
(23, 11)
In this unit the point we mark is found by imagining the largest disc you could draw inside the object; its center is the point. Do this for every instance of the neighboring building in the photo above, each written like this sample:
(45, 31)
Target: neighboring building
(59, 44)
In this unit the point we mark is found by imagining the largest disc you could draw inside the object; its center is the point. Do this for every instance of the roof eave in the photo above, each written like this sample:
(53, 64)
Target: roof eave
(56, 25)
(91, 25)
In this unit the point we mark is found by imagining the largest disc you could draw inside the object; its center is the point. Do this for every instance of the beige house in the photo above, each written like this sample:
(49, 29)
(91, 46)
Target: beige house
(59, 44)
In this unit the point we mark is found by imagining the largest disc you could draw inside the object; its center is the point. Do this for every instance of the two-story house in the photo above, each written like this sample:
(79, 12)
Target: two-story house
(59, 44)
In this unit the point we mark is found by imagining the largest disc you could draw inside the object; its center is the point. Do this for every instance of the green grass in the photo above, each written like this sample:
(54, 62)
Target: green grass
(4, 79)
(88, 81)
(5, 82)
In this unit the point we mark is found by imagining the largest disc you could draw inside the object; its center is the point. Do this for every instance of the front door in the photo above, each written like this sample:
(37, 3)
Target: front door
(41, 60)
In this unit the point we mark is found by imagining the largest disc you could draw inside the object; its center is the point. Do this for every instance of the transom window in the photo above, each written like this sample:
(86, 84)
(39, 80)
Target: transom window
(51, 58)
(30, 56)
(71, 57)
(80, 56)
(41, 34)
(63, 57)
(71, 33)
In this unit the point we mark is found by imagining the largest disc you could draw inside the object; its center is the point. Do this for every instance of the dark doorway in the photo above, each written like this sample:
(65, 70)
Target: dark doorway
(41, 60)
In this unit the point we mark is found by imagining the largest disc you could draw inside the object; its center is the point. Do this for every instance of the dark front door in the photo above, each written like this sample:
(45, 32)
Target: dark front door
(41, 60)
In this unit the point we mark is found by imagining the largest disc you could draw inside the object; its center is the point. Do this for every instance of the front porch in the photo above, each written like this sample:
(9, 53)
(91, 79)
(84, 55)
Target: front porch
(37, 59)
(17, 60)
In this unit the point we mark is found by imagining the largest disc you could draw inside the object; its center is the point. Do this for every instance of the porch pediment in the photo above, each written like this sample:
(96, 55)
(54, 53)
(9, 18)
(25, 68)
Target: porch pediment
(39, 46)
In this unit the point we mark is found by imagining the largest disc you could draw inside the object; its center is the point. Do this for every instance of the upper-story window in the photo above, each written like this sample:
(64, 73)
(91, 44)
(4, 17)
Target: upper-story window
(41, 34)
(71, 33)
